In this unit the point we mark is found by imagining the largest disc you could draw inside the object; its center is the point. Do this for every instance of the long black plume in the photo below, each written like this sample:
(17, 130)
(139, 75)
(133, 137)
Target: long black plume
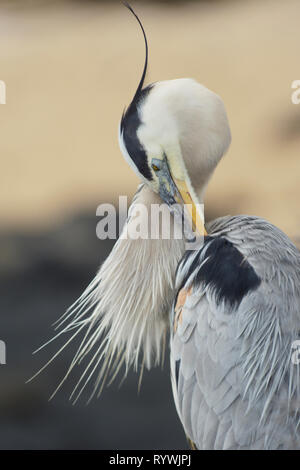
(140, 86)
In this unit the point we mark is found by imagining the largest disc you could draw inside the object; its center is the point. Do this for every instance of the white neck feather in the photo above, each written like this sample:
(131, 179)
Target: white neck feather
(125, 309)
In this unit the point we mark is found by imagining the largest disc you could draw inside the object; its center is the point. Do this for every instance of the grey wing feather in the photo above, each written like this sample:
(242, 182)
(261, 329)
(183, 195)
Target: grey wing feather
(235, 386)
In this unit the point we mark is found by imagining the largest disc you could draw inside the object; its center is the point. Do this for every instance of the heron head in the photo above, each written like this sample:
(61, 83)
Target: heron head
(173, 134)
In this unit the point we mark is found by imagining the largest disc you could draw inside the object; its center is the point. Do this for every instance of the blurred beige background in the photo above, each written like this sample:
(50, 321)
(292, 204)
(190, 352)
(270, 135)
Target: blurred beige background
(71, 67)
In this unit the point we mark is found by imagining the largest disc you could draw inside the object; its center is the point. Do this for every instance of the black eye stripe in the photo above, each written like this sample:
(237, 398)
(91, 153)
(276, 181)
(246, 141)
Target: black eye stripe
(130, 123)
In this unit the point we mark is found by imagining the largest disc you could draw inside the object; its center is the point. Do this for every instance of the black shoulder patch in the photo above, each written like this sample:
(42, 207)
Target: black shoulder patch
(227, 270)
(130, 123)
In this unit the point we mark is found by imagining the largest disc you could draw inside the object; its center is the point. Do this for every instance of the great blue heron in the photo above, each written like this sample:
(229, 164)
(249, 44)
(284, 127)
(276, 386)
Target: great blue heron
(231, 307)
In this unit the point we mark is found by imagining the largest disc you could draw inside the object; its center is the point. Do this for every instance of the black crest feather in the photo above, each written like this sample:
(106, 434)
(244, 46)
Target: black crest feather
(141, 83)
(131, 120)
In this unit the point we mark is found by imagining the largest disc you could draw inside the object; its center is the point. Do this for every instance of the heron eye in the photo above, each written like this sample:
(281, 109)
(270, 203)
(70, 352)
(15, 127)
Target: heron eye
(155, 168)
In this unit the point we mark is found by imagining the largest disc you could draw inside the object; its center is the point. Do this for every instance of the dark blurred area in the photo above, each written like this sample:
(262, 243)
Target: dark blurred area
(40, 276)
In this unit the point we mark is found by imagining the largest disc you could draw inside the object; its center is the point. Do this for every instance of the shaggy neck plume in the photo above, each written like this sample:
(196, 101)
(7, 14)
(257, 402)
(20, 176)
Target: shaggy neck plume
(123, 314)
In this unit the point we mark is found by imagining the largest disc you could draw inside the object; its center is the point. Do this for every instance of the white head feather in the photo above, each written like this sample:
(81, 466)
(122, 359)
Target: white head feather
(187, 122)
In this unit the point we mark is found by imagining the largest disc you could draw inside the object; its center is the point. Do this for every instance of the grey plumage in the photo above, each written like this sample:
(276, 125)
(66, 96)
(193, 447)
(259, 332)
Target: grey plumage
(237, 387)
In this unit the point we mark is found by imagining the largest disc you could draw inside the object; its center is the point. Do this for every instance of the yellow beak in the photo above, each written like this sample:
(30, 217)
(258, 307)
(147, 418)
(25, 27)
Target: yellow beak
(195, 214)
